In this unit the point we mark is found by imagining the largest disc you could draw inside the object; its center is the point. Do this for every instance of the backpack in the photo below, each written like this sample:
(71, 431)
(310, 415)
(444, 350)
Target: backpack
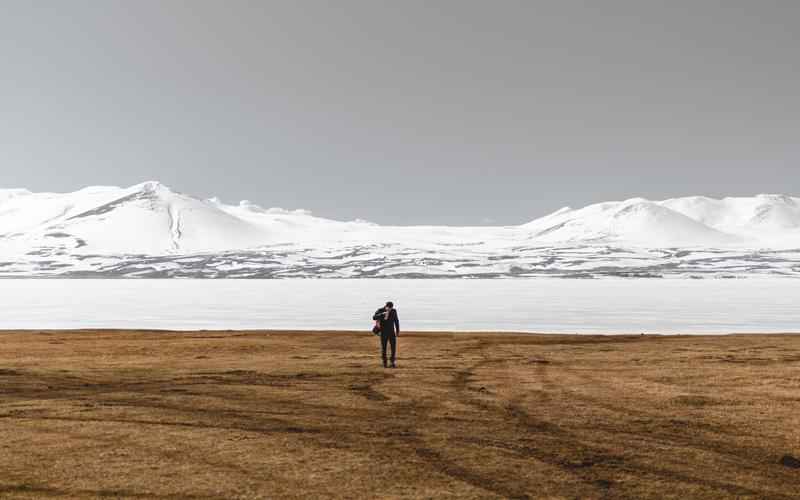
(376, 330)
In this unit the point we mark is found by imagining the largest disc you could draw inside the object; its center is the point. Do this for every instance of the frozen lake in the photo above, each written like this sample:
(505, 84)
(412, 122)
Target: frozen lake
(536, 305)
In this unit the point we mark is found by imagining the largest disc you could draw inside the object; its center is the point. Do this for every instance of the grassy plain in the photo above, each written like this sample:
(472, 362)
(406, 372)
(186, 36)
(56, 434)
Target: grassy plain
(251, 415)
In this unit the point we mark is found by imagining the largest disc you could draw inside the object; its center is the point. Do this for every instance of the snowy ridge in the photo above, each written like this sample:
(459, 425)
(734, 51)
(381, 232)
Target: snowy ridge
(150, 230)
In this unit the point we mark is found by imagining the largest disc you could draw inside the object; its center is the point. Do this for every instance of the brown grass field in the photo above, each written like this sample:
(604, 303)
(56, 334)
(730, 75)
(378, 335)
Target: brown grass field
(240, 415)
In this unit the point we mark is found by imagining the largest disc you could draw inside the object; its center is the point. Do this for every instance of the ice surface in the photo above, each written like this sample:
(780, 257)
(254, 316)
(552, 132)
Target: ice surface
(546, 305)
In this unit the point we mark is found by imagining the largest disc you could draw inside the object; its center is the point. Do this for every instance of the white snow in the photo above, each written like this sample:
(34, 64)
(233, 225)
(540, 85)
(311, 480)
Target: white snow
(636, 222)
(147, 218)
(770, 220)
(98, 229)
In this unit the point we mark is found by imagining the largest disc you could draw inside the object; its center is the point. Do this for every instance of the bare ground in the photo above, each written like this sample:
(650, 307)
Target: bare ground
(237, 415)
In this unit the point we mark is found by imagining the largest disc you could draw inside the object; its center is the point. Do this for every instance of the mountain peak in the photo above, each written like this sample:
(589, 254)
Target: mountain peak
(636, 201)
(151, 187)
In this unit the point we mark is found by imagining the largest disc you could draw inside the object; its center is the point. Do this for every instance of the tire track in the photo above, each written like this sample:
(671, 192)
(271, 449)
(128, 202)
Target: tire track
(593, 465)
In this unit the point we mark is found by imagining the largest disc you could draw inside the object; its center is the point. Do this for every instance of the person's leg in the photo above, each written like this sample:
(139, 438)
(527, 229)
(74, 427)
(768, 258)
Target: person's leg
(393, 340)
(384, 340)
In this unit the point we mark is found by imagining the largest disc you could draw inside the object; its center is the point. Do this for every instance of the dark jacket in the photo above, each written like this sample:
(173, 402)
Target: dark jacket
(390, 325)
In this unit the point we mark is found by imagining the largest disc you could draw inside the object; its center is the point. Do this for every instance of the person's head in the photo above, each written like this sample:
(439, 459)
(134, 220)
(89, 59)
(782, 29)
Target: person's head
(390, 305)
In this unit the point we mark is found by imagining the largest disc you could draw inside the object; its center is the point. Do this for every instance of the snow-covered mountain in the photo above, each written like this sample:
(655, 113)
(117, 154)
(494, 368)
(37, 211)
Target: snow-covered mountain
(147, 218)
(636, 222)
(150, 230)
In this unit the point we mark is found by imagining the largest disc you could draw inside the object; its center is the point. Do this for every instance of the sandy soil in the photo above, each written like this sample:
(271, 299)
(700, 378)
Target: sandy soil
(235, 415)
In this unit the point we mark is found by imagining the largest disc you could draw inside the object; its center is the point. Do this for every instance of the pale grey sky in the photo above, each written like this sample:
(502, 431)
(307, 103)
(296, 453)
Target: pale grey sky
(457, 112)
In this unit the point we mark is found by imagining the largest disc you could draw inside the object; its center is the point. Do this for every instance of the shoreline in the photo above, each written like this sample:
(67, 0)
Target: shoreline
(413, 334)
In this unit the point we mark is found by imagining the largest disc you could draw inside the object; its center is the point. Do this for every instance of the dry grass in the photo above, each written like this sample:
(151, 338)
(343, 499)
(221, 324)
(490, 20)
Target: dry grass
(233, 415)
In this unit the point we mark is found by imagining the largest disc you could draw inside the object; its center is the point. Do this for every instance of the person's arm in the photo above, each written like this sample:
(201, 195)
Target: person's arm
(396, 323)
(378, 315)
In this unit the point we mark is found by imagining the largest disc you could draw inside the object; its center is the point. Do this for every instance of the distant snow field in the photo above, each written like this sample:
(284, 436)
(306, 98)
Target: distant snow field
(543, 305)
(150, 231)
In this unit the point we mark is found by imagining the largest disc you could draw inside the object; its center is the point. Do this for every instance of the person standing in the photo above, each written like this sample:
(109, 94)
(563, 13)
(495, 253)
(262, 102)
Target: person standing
(390, 330)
